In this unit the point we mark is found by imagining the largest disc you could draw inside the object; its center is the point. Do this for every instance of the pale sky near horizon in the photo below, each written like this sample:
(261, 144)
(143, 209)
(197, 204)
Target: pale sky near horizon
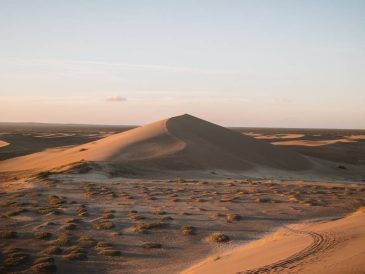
(283, 63)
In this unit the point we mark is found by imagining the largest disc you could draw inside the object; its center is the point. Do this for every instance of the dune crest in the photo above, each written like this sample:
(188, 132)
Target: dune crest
(178, 143)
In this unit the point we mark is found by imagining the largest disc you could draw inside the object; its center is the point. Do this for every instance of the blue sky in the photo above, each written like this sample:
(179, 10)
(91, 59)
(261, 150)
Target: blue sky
(283, 63)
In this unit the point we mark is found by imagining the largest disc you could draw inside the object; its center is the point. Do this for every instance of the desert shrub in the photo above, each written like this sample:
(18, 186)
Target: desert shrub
(149, 245)
(52, 250)
(147, 226)
(102, 225)
(108, 216)
(14, 257)
(62, 240)
(86, 241)
(15, 212)
(217, 237)
(69, 226)
(159, 212)
(43, 267)
(188, 230)
(44, 174)
(44, 260)
(48, 210)
(42, 235)
(110, 252)
(166, 218)
(233, 217)
(55, 201)
(102, 245)
(8, 235)
(76, 256)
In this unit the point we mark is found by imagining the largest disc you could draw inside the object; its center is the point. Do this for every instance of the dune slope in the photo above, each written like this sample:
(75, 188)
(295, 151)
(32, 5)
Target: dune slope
(179, 143)
(328, 247)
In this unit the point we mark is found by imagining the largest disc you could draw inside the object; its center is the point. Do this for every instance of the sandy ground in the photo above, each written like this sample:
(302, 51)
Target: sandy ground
(128, 203)
(321, 247)
(137, 211)
(312, 143)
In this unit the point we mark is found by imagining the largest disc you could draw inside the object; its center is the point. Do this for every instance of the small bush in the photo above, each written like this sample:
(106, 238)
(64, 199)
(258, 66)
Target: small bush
(42, 235)
(45, 267)
(52, 250)
(103, 225)
(76, 256)
(110, 252)
(188, 230)
(86, 241)
(8, 235)
(149, 245)
(217, 237)
(15, 257)
(233, 217)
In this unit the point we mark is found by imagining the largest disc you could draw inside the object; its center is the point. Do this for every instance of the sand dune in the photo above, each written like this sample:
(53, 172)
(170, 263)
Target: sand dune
(328, 247)
(3, 143)
(311, 143)
(275, 136)
(178, 143)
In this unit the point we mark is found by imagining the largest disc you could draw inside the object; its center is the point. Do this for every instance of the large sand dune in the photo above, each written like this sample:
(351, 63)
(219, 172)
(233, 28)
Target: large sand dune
(178, 143)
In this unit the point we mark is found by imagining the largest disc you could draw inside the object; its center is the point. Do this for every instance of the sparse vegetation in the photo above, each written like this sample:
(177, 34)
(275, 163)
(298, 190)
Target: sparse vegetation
(188, 230)
(103, 224)
(149, 245)
(14, 257)
(233, 217)
(52, 250)
(218, 237)
(8, 235)
(42, 235)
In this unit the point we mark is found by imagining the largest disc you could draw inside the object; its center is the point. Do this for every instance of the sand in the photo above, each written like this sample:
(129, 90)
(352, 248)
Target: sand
(279, 136)
(312, 143)
(325, 247)
(3, 143)
(178, 143)
(169, 204)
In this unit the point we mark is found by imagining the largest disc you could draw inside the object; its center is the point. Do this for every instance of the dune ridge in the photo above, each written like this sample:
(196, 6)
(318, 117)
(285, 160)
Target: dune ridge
(178, 143)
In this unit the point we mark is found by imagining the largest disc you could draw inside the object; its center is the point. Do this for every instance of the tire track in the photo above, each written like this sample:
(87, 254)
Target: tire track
(320, 243)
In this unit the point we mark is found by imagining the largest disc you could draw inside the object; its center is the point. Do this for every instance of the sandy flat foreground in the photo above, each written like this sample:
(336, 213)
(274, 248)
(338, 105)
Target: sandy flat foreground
(326, 247)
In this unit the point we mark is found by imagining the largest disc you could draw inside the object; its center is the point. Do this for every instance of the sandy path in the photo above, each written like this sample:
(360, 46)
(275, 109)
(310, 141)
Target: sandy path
(320, 243)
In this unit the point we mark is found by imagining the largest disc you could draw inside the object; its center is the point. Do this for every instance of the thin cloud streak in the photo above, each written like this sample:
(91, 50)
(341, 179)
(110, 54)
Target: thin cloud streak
(129, 66)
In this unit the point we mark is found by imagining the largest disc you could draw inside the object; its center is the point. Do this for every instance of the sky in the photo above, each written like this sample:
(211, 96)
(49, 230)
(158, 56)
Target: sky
(268, 63)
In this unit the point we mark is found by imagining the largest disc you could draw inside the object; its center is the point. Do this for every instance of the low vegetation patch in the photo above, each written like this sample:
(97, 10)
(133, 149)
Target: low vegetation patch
(8, 235)
(102, 225)
(42, 235)
(14, 257)
(233, 217)
(149, 245)
(217, 237)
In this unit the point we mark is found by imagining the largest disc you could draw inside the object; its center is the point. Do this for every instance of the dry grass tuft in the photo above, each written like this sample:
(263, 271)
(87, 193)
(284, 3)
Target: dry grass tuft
(149, 245)
(217, 237)
(41, 235)
(188, 230)
(103, 224)
(233, 217)
(14, 257)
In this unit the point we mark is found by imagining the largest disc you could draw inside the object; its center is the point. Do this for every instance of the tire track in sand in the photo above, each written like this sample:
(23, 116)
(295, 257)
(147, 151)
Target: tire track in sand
(320, 243)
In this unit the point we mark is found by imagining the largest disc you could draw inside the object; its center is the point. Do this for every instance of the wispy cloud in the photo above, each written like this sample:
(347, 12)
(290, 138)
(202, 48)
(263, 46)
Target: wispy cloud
(73, 64)
(116, 99)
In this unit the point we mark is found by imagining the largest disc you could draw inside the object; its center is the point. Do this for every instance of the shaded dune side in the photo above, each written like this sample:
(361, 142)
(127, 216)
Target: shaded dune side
(208, 145)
